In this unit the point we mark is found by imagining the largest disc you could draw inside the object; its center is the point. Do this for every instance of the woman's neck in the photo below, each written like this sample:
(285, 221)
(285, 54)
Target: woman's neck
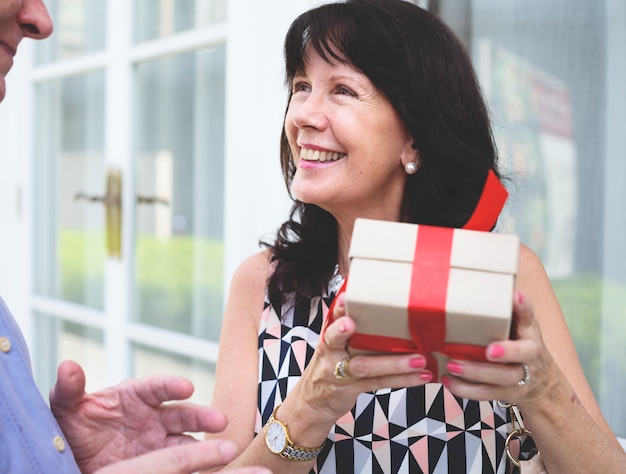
(345, 225)
(344, 236)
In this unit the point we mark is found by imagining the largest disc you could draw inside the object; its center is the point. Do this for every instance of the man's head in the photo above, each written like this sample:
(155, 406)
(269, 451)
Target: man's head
(19, 19)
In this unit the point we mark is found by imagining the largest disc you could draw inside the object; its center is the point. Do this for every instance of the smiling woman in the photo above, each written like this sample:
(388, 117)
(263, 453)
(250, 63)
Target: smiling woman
(386, 120)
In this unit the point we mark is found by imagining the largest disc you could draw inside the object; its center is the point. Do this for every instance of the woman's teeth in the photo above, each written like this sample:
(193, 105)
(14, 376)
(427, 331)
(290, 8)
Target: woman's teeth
(317, 155)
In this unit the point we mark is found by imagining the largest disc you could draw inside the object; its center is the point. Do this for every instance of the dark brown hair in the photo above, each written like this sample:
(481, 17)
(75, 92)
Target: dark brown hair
(424, 70)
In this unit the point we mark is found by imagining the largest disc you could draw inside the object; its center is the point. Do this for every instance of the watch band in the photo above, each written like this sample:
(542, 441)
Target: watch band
(291, 451)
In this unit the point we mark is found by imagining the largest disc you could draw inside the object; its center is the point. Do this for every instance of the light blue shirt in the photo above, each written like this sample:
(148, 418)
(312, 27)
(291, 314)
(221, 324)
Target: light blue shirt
(31, 441)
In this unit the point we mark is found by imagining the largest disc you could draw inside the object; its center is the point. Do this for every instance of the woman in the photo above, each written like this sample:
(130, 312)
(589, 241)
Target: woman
(386, 120)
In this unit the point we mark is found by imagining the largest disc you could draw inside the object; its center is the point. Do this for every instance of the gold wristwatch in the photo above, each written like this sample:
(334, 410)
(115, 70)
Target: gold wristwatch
(278, 441)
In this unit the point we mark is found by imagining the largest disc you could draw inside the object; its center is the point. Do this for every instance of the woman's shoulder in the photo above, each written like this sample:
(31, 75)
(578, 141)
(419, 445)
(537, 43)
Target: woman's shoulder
(529, 261)
(247, 291)
(534, 282)
(253, 271)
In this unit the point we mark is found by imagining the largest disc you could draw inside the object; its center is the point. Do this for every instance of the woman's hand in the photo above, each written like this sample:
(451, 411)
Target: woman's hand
(329, 396)
(520, 370)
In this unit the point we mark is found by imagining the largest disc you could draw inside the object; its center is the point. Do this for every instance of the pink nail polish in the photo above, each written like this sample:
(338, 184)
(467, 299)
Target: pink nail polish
(454, 367)
(519, 296)
(417, 362)
(426, 376)
(445, 380)
(342, 327)
(496, 351)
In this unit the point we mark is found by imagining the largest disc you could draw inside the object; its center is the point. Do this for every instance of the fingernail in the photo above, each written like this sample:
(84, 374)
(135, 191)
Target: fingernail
(454, 367)
(426, 376)
(495, 351)
(519, 296)
(342, 327)
(417, 362)
(445, 381)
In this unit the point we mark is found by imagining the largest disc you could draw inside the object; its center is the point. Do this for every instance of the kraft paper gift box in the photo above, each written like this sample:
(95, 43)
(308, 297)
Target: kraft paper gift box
(442, 292)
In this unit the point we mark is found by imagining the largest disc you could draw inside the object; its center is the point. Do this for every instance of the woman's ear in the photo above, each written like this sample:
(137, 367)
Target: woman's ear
(411, 158)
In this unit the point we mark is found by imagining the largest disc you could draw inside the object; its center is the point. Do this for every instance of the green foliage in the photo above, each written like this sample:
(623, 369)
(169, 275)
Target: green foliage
(81, 261)
(596, 315)
(581, 300)
(180, 284)
(179, 281)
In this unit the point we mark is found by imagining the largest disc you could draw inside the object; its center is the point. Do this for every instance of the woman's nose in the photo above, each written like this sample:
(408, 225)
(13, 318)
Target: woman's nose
(34, 19)
(308, 111)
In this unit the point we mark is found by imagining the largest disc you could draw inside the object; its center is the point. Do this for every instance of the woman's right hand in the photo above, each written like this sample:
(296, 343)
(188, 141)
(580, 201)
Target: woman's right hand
(324, 397)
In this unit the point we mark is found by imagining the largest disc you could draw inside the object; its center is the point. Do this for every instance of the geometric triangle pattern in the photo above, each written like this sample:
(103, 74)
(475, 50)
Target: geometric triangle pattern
(422, 429)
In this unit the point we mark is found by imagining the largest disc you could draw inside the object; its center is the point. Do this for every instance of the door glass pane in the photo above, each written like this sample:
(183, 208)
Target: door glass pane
(180, 161)
(147, 361)
(553, 73)
(57, 340)
(158, 18)
(69, 240)
(79, 28)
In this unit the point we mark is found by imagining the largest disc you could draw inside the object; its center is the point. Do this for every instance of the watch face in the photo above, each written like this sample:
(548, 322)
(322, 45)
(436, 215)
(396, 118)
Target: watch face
(275, 437)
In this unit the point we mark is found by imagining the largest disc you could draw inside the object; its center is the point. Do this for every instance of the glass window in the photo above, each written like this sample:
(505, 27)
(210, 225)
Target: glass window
(147, 361)
(69, 240)
(179, 165)
(553, 73)
(159, 18)
(79, 28)
(59, 340)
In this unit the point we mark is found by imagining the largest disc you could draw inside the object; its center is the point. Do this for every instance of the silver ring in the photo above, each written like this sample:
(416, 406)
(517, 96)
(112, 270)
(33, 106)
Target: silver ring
(340, 369)
(526, 378)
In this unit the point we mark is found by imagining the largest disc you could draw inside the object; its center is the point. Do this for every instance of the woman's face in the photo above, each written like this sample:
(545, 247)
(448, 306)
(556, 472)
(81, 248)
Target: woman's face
(349, 144)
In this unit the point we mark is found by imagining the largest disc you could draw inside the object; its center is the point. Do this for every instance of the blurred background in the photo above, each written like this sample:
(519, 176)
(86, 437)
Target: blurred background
(139, 166)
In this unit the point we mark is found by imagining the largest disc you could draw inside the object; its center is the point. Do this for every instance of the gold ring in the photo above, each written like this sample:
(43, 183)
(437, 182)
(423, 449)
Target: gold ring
(341, 369)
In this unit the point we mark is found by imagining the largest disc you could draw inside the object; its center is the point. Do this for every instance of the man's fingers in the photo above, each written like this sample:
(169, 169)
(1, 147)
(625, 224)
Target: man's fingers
(182, 459)
(69, 387)
(156, 389)
(188, 417)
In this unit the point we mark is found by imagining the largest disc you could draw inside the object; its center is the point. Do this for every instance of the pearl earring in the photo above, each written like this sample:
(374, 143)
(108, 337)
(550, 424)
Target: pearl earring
(410, 167)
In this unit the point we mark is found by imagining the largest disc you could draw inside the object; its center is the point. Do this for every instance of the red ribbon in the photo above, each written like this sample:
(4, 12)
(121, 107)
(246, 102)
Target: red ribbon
(429, 285)
(426, 306)
(489, 205)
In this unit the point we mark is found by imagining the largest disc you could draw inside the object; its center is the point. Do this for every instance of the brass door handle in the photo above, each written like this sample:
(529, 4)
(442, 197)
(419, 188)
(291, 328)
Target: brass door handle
(112, 201)
(107, 198)
(152, 200)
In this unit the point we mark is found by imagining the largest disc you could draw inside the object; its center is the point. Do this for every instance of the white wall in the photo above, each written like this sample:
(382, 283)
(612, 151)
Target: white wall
(15, 148)
(256, 198)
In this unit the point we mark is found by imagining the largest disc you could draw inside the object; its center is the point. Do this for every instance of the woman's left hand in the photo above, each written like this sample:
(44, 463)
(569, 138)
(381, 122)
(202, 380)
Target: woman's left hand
(519, 370)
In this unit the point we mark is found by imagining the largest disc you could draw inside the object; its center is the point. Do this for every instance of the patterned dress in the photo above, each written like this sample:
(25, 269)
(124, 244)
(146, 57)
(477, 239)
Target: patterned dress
(410, 430)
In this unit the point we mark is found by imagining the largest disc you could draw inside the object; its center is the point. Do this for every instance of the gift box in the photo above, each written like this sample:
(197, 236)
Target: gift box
(442, 292)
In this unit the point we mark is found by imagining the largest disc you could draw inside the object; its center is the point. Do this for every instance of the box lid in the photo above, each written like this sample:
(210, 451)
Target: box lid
(395, 241)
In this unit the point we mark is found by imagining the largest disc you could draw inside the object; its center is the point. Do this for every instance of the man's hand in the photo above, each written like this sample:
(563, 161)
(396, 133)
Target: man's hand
(130, 419)
(183, 459)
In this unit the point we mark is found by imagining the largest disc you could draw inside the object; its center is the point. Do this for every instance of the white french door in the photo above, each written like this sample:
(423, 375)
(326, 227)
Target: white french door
(128, 195)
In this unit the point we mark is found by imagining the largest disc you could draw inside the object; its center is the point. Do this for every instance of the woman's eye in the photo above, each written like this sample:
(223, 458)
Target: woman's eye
(342, 90)
(299, 86)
